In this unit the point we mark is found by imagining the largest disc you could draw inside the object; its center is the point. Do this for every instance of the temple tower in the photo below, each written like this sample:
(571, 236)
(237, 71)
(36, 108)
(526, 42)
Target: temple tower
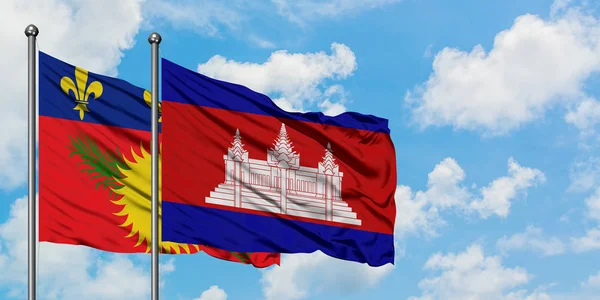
(236, 155)
(283, 156)
(329, 168)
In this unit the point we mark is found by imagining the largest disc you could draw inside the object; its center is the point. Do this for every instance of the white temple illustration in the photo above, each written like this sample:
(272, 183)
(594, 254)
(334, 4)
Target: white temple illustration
(281, 185)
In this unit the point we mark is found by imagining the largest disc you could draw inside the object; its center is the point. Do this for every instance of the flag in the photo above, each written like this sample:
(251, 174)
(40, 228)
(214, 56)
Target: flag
(94, 165)
(244, 175)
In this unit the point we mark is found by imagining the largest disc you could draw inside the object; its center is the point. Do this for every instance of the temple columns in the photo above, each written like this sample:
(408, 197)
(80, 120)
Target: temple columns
(329, 197)
(284, 184)
(237, 183)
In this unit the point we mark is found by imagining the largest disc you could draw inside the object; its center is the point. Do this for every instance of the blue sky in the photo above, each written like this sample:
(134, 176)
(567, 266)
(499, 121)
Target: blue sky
(493, 110)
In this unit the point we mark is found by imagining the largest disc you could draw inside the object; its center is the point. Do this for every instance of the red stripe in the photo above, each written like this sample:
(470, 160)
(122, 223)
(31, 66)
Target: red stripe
(196, 138)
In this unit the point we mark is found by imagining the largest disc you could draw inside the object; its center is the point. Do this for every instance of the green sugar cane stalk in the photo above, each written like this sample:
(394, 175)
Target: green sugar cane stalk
(105, 165)
(100, 164)
(244, 257)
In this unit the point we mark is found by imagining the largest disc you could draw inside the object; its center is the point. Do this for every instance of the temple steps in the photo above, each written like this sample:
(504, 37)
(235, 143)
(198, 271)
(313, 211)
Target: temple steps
(299, 204)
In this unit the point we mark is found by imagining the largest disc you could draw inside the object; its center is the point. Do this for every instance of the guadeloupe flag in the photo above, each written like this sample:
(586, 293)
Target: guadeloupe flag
(94, 165)
(244, 175)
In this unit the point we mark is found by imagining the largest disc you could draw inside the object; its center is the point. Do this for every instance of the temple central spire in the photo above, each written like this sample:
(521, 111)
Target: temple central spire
(282, 154)
(328, 163)
(237, 151)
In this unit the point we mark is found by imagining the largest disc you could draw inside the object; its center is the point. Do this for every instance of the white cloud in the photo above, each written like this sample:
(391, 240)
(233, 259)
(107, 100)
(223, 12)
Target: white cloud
(589, 242)
(117, 278)
(216, 18)
(585, 116)
(70, 272)
(75, 31)
(167, 267)
(427, 53)
(559, 6)
(592, 282)
(203, 16)
(415, 214)
(593, 205)
(213, 293)
(302, 11)
(301, 275)
(419, 211)
(589, 290)
(498, 195)
(331, 108)
(261, 42)
(523, 295)
(532, 239)
(294, 79)
(472, 275)
(585, 174)
(335, 100)
(532, 66)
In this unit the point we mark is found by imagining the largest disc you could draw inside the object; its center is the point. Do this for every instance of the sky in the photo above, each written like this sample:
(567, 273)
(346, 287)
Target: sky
(494, 112)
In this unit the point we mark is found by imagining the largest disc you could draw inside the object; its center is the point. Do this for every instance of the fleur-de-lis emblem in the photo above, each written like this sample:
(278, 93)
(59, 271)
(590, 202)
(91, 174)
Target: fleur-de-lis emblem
(82, 90)
(148, 99)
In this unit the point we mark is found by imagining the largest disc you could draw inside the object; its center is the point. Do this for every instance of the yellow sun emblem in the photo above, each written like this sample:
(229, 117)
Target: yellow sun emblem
(135, 192)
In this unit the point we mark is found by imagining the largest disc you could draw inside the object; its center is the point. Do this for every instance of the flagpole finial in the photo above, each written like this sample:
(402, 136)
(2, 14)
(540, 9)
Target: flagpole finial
(31, 30)
(154, 38)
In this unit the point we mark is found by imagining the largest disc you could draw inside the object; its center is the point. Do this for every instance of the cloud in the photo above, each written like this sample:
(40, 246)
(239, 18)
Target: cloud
(593, 206)
(585, 116)
(427, 53)
(419, 211)
(532, 66)
(593, 282)
(585, 174)
(589, 242)
(167, 267)
(301, 275)
(523, 295)
(75, 31)
(472, 275)
(532, 239)
(293, 79)
(497, 196)
(213, 293)
(203, 16)
(70, 272)
(300, 12)
(335, 100)
(331, 108)
(559, 6)
(588, 291)
(215, 18)
(261, 42)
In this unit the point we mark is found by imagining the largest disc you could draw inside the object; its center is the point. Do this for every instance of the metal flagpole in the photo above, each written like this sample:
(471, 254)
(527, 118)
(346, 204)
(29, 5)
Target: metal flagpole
(31, 32)
(154, 40)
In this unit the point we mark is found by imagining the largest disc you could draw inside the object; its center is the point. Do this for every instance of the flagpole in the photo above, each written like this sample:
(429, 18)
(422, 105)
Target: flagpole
(154, 39)
(31, 32)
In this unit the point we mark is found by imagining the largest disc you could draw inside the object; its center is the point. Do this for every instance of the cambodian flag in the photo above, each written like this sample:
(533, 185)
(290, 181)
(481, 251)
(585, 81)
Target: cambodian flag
(241, 174)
